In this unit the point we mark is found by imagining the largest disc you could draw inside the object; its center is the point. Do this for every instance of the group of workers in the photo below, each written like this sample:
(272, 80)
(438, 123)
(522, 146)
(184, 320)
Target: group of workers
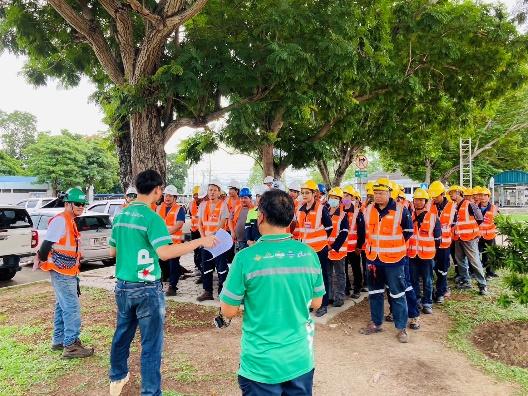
(382, 244)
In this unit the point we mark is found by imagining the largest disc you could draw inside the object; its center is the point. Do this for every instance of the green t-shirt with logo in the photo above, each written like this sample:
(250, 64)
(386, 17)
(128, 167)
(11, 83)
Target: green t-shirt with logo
(277, 278)
(137, 231)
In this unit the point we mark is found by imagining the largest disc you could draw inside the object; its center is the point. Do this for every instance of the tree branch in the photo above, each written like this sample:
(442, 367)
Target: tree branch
(94, 36)
(201, 122)
(155, 19)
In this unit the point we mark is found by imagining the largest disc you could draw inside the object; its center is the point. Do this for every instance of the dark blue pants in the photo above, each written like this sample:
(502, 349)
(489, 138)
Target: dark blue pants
(300, 386)
(323, 259)
(175, 271)
(442, 263)
(208, 266)
(410, 295)
(422, 270)
(198, 251)
(354, 260)
(139, 304)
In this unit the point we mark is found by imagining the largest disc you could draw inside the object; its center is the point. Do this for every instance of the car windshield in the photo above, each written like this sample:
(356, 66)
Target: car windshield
(87, 223)
(14, 218)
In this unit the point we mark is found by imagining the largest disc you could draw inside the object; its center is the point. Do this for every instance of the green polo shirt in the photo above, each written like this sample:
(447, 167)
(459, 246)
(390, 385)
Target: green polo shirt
(277, 278)
(137, 231)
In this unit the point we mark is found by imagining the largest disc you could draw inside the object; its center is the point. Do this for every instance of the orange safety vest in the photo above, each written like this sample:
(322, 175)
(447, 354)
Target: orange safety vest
(64, 256)
(336, 223)
(384, 238)
(194, 216)
(488, 230)
(310, 229)
(154, 206)
(466, 227)
(446, 219)
(170, 220)
(422, 243)
(211, 217)
(352, 230)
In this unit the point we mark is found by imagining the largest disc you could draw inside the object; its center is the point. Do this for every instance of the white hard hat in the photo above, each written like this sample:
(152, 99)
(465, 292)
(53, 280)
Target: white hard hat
(261, 189)
(278, 185)
(295, 186)
(202, 193)
(216, 182)
(171, 190)
(131, 190)
(233, 184)
(268, 179)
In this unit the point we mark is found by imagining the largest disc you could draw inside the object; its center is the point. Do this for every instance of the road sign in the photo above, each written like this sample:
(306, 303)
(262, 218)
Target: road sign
(424, 186)
(361, 173)
(361, 161)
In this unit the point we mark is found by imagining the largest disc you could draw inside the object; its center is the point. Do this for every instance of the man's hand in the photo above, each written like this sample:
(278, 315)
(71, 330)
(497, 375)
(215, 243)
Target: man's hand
(36, 262)
(208, 241)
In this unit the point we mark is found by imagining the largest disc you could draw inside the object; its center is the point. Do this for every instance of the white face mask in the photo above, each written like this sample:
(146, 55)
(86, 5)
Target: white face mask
(334, 203)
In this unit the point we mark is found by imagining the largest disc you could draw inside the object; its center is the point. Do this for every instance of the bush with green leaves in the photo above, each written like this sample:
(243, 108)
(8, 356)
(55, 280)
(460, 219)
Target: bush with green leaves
(512, 256)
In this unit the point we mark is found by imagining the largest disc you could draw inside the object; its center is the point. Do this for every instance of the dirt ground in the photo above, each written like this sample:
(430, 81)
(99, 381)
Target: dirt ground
(202, 360)
(504, 341)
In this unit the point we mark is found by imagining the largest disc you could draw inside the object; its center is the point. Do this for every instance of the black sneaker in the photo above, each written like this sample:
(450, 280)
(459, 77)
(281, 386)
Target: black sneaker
(440, 300)
(464, 286)
(355, 295)
(321, 311)
(338, 303)
(427, 310)
(483, 290)
(171, 291)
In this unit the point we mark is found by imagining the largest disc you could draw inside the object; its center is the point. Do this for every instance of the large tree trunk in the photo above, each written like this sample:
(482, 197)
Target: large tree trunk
(346, 157)
(267, 159)
(428, 169)
(323, 170)
(147, 143)
(123, 148)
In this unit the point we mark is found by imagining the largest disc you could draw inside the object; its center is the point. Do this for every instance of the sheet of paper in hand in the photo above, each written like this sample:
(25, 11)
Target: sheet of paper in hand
(225, 241)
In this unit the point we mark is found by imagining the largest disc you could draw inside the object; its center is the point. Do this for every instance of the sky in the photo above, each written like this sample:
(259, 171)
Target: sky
(57, 108)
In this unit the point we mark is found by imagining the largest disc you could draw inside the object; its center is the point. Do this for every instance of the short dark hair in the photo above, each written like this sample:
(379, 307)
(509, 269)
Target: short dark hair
(277, 207)
(147, 181)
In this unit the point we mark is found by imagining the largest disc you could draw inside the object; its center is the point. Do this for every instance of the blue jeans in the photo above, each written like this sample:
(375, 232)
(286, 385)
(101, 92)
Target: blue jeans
(441, 268)
(422, 270)
(300, 386)
(393, 275)
(67, 319)
(140, 304)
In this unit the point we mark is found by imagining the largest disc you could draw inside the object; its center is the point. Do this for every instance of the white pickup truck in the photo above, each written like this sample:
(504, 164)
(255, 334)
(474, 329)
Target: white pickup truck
(17, 239)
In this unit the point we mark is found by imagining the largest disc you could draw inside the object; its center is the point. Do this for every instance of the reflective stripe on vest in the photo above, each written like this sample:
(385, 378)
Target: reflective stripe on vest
(170, 220)
(194, 216)
(384, 238)
(422, 243)
(64, 256)
(488, 230)
(446, 220)
(466, 227)
(211, 217)
(310, 229)
(336, 223)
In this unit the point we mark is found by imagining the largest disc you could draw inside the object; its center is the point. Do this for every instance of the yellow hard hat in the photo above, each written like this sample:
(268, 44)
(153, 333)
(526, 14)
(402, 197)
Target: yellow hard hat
(196, 190)
(485, 191)
(310, 185)
(369, 187)
(349, 190)
(401, 194)
(456, 188)
(468, 191)
(382, 184)
(420, 193)
(436, 188)
(336, 192)
(370, 191)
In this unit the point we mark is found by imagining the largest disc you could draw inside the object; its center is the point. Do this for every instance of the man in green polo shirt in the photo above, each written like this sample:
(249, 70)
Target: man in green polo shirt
(139, 239)
(279, 279)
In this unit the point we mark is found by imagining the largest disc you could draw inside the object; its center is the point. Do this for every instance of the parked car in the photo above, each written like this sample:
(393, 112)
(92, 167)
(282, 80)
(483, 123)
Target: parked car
(95, 229)
(113, 206)
(17, 239)
(34, 203)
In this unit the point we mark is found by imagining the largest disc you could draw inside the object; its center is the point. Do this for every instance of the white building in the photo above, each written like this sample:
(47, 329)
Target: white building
(14, 189)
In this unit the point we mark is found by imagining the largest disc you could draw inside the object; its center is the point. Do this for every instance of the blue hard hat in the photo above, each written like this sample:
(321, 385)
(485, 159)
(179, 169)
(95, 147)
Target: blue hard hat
(322, 188)
(245, 192)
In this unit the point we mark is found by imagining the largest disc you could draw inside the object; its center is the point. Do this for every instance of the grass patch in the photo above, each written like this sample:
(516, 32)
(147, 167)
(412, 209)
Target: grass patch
(467, 314)
(23, 364)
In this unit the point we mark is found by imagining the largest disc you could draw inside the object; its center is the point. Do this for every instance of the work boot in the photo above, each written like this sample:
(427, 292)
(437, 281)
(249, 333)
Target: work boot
(483, 290)
(440, 300)
(171, 291)
(464, 286)
(388, 318)
(76, 350)
(117, 386)
(414, 323)
(197, 272)
(447, 293)
(57, 347)
(338, 303)
(364, 289)
(205, 296)
(402, 336)
(321, 311)
(198, 281)
(355, 295)
(427, 310)
(419, 306)
(330, 301)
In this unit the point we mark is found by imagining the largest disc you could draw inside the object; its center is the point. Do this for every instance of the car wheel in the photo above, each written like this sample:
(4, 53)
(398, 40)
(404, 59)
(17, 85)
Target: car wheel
(109, 262)
(6, 274)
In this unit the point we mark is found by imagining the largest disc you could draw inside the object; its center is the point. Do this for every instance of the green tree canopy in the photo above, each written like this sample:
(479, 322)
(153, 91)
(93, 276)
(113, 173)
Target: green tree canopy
(10, 166)
(176, 171)
(17, 131)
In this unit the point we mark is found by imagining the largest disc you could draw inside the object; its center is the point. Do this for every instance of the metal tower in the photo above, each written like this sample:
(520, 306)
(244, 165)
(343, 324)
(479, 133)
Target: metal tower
(466, 164)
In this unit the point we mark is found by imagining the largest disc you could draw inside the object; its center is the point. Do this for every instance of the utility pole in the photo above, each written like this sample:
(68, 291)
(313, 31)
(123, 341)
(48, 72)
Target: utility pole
(466, 163)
